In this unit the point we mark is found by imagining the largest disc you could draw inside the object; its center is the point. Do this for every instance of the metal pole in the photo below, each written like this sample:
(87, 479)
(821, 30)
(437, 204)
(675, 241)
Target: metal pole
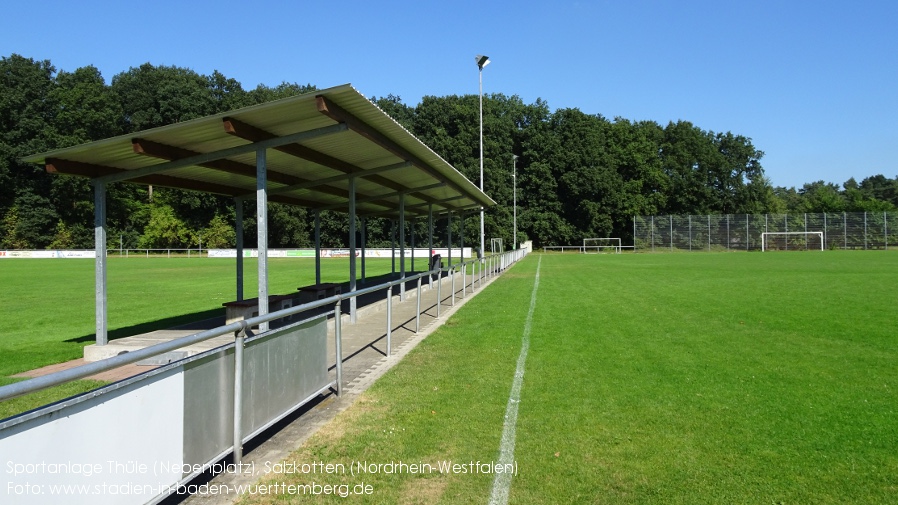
(393, 245)
(317, 247)
(430, 239)
(412, 230)
(449, 238)
(418, 309)
(238, 395)
(439, 288)
(461, 236)
(352, 279)
(238, 227)
(100, 261)
(514, 196)
(482, 235)
(452, 275)
(338, 345)
(364, 228)
(389, 319)
(402, 246)
(262, 231)
(463, 278)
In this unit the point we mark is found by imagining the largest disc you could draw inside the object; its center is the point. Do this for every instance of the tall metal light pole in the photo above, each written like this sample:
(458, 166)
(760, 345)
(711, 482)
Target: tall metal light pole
(482, 61)
(514, 193)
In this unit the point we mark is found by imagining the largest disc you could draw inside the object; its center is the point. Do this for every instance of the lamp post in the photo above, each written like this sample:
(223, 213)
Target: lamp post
(482, 61)
(514, 195)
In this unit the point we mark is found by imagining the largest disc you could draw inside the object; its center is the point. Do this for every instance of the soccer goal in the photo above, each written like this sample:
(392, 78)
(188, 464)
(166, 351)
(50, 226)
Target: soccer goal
(792, 241)
(496, 246)
(601, 244)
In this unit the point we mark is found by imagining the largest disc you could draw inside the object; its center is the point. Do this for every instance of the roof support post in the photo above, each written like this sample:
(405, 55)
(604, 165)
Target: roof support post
(238, 228)
(449, 238)
(461, 237)
(364, 229)
(412, 230)
(393, 245)
(262, 223)
(100, 262)
(317, 247)
(402, 246)
(430, 240)
(352, 286)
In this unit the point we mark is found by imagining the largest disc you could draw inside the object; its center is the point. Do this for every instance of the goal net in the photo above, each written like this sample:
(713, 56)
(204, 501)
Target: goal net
(792, 241)
(601, 245)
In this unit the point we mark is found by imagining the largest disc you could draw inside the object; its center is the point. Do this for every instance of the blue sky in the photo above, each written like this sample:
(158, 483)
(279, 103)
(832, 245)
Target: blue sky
(814, 84)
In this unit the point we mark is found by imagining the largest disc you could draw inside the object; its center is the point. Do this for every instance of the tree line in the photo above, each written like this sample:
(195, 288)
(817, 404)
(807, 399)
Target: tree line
(577, 174)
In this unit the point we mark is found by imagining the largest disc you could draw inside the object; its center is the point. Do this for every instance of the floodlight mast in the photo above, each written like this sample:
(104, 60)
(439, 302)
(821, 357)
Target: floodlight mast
(514, 193)
(482, 61)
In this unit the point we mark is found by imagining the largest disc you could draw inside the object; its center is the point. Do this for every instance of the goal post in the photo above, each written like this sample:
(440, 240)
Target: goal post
(597, 245)
(792, 241)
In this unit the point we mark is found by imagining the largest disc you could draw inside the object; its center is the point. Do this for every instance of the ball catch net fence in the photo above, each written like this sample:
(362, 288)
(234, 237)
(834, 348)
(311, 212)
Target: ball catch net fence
(743, 232)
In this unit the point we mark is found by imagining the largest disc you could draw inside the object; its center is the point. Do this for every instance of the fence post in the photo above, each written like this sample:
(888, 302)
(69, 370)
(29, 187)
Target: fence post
(239, 337)
(418, 309)
(865, 230)
(338, 345)
(690, 232)
(439, 288)
(389, 318)
(845, 230)
(452, 275)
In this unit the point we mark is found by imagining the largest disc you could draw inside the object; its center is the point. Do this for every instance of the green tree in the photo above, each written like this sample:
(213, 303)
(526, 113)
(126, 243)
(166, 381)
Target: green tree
(219, 234)
(165, 230)
(153, 96)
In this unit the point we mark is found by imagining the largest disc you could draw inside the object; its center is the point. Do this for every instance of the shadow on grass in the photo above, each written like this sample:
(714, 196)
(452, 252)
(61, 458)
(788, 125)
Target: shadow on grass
(184, 320)
(200, 320)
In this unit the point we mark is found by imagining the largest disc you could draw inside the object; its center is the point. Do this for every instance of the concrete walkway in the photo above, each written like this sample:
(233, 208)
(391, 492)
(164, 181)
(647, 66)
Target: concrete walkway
(365, 360)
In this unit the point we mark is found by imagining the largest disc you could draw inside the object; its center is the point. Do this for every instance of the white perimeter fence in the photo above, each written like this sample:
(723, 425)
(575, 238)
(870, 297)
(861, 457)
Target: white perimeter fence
(143, 439)
(232, 253)
(742, 232)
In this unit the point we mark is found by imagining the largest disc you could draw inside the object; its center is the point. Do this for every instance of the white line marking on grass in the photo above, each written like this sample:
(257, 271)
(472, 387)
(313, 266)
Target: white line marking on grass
(502, 482)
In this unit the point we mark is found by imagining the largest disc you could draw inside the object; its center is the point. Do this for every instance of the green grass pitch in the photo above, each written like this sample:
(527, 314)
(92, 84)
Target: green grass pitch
(650, 378)
(668, 378)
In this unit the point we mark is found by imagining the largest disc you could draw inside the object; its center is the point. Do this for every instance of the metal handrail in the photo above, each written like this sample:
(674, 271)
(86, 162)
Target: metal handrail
(239, 327)
(86, 370)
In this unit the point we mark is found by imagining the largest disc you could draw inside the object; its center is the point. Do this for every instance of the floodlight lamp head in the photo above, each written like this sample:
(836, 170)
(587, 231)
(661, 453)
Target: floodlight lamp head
(482, 61)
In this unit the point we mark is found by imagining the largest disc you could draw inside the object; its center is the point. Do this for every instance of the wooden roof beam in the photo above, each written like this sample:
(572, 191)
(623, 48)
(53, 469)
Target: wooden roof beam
(251, 133)
(340, 115)
(167, 152)
(56, 165)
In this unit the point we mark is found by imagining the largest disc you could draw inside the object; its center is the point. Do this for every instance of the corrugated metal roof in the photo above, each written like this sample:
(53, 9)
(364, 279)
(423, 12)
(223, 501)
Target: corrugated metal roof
(310, 172)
